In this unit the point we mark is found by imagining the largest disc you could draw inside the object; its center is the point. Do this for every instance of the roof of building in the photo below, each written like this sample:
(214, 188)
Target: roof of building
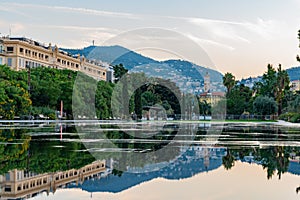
(216, 94)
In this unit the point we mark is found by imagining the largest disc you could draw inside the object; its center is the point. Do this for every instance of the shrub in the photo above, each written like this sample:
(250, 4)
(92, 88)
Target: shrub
(290, 117)
(295, 118)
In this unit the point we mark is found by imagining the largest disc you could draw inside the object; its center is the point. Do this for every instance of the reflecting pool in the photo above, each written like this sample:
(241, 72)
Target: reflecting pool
(149, 160)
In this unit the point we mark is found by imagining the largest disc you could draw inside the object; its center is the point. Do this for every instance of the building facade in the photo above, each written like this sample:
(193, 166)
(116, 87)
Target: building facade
(21, 53)
(295, 85)
(209, 96)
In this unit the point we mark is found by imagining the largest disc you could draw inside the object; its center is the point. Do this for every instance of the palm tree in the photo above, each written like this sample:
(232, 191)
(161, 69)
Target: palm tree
(229, 81)
(283, 82)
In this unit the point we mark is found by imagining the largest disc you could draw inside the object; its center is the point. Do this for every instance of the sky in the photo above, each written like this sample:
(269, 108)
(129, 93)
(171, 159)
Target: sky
(240, 37)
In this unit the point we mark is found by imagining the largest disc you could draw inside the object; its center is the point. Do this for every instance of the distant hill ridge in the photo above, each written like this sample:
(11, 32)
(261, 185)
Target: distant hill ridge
(130, 59)
(294, 73)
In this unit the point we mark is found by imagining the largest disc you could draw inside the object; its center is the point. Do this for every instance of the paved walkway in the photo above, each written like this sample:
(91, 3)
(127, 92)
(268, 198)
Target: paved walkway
(284, 123)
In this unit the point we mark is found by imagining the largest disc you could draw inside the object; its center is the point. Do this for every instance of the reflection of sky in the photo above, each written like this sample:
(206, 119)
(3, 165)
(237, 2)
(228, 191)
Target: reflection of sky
(243, 181)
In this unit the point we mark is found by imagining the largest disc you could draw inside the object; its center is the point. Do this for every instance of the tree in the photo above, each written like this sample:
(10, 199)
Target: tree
(239, 100)
(229, 81)
(269, 82)
(283, 82)
(119, 71)
(264, 105)
(14, 96)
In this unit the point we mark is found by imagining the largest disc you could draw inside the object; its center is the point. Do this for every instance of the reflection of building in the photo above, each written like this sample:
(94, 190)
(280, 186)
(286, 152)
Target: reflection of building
(295, 85)
(20, 53)
(21, 184)
(192, 160)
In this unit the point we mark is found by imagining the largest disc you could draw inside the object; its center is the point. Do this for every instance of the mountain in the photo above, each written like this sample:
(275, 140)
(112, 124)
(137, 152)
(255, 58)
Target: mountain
(185, 73)
(294, 73)
(113, 55)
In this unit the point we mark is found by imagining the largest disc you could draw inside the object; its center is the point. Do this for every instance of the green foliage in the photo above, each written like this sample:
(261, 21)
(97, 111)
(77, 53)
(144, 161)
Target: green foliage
(103, 99)
(290, 117)
(48, 88)
(14, 97)
(239, 100)
(229, 81)
(295, 118)
(287, 116)
(264, 105)
(46, 111)
(275, 84)
(119, 71)
(228, 160)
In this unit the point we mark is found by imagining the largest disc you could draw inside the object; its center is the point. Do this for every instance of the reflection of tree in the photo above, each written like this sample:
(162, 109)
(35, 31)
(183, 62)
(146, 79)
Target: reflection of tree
(19, 150)
(13, 149)
(46, 155)
(228, 160)
(116, 172)
(272, 159)
(275, 158)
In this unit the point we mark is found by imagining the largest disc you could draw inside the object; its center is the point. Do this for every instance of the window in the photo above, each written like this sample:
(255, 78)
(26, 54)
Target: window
(21, 50)
(10, 49)
(7, 176)
(7, 188)
(1, 61)
(103, 73)
(9, 62)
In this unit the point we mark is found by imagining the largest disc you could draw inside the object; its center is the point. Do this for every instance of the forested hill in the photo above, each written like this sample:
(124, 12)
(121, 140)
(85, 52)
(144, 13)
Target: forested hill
(130, 59)
(294, 73)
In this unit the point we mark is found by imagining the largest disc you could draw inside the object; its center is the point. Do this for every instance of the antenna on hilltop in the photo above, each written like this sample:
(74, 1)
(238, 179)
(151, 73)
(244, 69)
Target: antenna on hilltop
(93, 42)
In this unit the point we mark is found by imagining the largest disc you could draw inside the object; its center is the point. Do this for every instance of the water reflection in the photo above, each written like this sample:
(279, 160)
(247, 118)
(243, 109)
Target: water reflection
(44, 157)
(18, 184)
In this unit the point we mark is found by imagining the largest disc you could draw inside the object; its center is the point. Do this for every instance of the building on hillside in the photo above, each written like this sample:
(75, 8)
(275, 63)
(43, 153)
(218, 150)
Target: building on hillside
(211, 97)
(206, 82)
(20, 53)
(295, 85)
(208, 96)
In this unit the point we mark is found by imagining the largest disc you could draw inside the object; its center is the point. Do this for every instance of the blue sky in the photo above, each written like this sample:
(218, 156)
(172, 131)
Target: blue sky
(241, 37)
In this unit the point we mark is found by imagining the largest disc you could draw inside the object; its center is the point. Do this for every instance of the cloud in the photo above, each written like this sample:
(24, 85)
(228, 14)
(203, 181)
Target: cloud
(12, 6)
(14, 27)
(12, 10)
(80, 28)
(233, 30)
(209, 42)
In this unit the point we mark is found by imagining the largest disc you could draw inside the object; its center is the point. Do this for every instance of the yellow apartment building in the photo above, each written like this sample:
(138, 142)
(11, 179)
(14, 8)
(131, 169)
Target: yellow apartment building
(20, 53)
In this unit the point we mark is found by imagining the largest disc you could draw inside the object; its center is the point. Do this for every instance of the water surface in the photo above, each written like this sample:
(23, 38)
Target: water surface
(156, 160)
